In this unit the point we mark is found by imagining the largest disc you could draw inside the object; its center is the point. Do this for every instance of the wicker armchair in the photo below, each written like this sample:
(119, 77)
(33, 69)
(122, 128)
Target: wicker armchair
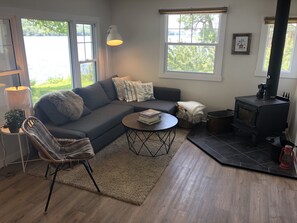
(58, 152)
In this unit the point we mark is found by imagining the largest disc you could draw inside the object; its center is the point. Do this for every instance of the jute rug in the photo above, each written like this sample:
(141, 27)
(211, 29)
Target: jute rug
(118, 172)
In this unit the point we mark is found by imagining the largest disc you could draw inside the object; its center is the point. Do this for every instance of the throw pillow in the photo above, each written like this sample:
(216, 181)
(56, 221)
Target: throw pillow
(51, 112)
(120, 87)
(144, 91)
(67, 103)
(130, 91)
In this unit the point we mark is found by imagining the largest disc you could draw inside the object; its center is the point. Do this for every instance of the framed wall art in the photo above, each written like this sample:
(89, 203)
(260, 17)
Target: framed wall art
(241, 43)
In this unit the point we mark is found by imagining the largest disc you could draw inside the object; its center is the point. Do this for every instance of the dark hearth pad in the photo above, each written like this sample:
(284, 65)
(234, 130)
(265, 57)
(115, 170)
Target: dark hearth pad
(237, 151)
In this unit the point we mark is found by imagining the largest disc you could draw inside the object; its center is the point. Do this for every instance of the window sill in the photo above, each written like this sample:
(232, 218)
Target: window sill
(282, 75)
(191, 76)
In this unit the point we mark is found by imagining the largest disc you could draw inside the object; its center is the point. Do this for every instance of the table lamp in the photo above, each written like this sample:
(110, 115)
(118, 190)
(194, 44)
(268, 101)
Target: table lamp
(19, 97)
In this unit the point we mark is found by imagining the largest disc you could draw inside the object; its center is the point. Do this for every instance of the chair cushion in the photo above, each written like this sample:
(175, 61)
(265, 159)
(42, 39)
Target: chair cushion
(93, 95)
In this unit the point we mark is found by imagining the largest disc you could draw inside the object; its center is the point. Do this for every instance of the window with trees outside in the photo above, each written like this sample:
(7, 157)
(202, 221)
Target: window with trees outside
(57, 58)
(194, 45)
(288, 68)
(86, 55)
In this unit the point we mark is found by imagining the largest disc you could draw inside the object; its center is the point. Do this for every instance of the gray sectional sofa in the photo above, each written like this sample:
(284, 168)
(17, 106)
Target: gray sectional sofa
(103, 113)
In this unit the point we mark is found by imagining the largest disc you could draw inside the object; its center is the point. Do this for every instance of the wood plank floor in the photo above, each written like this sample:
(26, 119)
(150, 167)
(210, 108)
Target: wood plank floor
(194, 188)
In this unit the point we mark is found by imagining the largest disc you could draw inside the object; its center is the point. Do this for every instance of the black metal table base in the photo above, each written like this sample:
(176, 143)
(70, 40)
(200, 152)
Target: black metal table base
(150, 143)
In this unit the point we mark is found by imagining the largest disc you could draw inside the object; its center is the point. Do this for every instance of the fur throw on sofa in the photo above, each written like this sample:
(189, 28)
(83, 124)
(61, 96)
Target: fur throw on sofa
(67, 103)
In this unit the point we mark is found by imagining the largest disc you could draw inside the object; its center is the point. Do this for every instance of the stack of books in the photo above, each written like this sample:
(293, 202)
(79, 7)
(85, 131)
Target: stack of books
(149, 116)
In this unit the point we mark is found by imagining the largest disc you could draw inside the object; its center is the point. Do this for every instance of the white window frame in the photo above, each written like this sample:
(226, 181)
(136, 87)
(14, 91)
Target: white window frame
(261, 54)
(74, 51)
(16, 45)
(18, 14)
(216, 76)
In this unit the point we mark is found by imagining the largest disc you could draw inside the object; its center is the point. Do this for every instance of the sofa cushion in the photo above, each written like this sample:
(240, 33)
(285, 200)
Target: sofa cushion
(60, 132)
(108, 87)
(93, 95)
(164, 106)
(100, 121)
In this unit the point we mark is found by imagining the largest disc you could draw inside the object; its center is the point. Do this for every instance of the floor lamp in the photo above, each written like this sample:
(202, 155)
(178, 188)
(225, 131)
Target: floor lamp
(113, 37)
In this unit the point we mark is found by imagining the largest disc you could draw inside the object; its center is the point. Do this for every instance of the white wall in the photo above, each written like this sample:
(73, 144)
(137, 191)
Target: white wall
(139, 23)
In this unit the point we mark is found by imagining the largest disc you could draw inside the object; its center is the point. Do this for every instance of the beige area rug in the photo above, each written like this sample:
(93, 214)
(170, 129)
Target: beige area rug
(118, 172)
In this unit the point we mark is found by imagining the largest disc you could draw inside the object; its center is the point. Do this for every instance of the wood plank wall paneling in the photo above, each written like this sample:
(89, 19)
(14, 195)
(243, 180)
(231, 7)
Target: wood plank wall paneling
(194, 188)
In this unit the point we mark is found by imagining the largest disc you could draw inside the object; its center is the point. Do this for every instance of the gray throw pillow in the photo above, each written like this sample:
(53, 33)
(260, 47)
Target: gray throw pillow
(52, 113)
(93, 96)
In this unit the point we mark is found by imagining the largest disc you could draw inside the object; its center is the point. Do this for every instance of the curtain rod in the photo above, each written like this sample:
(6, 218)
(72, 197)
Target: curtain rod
(270, 20)
(194, 10)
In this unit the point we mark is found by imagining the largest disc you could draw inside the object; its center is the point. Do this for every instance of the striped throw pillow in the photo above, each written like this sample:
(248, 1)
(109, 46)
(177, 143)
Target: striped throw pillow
(130, 91)
(120, 86)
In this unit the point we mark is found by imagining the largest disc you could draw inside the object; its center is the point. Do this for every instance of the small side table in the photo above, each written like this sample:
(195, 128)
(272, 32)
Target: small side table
(5, 131)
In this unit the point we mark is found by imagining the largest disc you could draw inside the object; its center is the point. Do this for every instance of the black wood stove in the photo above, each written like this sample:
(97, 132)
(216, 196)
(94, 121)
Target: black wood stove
(265, 114)
(261, 118)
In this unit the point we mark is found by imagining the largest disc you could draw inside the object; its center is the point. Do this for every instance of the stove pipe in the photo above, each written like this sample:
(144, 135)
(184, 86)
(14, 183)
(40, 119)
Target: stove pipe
(277, 48)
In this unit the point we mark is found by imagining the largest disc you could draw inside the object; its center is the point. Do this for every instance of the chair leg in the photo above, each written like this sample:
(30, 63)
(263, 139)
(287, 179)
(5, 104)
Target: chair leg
(90, 174)
(51, 188)
(89, 166)
(46, 172)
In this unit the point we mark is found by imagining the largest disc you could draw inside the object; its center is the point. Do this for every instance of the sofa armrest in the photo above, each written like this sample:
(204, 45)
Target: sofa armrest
(61, 132)
(168, 94)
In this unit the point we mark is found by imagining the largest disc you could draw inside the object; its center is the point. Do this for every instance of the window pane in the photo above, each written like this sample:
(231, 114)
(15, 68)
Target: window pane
(48, 58)
(186, 21)
(198, 59)
(205, 28)
(173, 35)
(288, 50)
(88, 32)
(89, 51)
(7, 56)
(81, 52)
(195, 28)
(80, 33)
(173, 21)
(185, 36)
(87, 73)
(85, 42)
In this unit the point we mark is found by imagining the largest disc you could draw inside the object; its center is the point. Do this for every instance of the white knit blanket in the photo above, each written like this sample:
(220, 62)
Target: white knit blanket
(192, 111)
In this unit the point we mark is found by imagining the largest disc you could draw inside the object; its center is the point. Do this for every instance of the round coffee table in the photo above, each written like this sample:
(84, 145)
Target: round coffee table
(150, 140)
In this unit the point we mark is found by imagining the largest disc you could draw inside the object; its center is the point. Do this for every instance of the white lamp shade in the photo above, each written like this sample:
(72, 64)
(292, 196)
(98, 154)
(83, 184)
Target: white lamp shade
(19, 97)
(113, 37)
